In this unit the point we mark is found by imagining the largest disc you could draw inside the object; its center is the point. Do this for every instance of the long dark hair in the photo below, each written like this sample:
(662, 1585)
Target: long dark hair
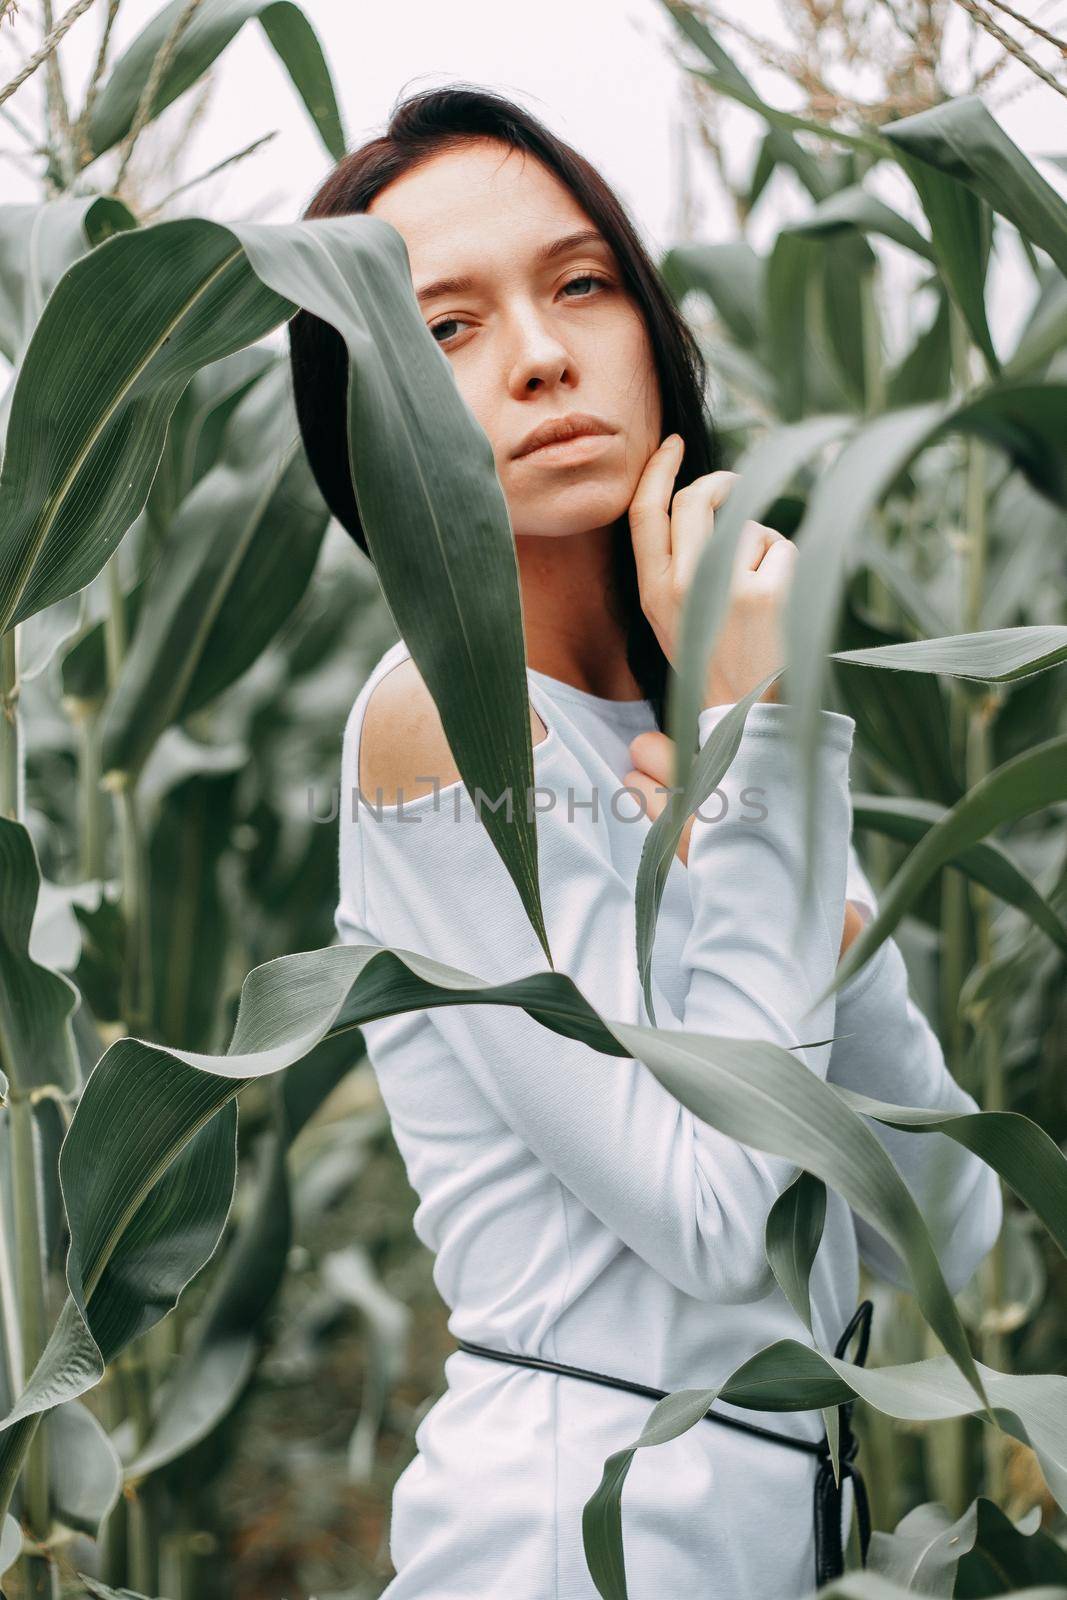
(443, 119)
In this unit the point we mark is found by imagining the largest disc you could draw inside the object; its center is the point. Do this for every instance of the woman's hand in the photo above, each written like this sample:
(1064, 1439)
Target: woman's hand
(653, 762)
(653, 757)
(667, 545)
(853, 926)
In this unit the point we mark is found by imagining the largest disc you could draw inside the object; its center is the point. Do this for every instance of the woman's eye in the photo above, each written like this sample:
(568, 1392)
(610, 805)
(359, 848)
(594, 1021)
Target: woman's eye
(586, 277)
(444, 323)
(455, 322)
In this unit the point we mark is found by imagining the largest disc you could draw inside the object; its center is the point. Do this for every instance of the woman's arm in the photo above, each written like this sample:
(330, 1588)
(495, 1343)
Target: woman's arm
(692, 1202)
(885, 1047)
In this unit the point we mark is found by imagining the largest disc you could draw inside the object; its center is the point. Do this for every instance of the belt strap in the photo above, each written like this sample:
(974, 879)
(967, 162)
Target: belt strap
(829, 1554)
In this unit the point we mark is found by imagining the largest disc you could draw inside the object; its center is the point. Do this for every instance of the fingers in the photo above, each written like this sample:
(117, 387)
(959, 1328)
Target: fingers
(768, 564)
(670, 530)
(652, 801)
(653, 752)
(692, 522)
(753, 545)
(853, 926)
(653, 756)
(650, 523)
(778, 560)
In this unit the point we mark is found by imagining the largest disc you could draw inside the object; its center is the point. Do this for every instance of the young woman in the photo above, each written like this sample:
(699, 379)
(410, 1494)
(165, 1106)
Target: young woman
(577, 1212)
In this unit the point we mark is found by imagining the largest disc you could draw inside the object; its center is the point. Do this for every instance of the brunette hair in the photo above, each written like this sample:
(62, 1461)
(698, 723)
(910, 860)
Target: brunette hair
(426, 123)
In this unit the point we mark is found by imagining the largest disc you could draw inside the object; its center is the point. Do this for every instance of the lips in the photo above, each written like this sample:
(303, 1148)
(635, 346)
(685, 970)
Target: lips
(558, 429)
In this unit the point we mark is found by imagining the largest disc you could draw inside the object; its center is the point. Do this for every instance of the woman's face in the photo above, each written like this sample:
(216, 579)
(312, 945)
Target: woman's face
(531, 337)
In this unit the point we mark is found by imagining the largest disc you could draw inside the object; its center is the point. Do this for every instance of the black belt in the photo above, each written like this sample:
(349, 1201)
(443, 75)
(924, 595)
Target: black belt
(829, 1554)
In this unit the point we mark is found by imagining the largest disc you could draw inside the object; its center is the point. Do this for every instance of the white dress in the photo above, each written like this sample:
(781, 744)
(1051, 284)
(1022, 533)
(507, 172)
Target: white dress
(575, 1209)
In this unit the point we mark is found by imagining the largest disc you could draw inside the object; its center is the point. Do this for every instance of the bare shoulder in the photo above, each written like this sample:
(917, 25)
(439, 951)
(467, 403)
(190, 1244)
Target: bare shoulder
(402, 745)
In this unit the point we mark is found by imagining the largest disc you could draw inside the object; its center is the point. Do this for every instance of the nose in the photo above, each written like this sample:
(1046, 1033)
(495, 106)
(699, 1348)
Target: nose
(539, 358)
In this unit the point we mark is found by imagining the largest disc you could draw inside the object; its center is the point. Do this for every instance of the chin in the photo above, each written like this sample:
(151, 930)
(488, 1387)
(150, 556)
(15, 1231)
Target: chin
(566, 511)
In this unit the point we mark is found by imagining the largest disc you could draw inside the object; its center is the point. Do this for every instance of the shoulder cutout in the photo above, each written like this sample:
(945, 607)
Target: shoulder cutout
(402, 745)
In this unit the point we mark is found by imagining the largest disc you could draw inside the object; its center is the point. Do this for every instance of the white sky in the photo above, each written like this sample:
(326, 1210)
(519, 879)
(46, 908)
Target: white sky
(599, 72)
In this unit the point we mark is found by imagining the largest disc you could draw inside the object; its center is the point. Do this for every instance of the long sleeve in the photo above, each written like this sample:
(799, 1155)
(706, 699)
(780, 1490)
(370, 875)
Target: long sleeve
(690, 1201)
(885, 1047)
(758, 953)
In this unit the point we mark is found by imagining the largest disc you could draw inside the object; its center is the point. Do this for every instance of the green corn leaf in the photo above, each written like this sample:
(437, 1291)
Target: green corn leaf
(1029, 782)
(789, 1376)
(962, 235)
(36, 1042)
(219, 1354)
(1005, 1551)
(149, 1178)
(1018, 1149)
(764, 473)
(925, 372)
(1045, 333)
(127, 327)
(216, 23)
(867, 1585)
(999, 655)
(962, 140)
(801, 351)
(37, 245)
(239, 555)
(987, 863)
(103, 1591)
(84, 1470)
(854, 209)
(10, 1543)
(976, 1554)
(902, 723)
(731, 275)
(794, 1229)
(1025, 421)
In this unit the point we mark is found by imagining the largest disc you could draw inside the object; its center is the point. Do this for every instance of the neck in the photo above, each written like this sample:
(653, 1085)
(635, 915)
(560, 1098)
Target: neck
(572, 633)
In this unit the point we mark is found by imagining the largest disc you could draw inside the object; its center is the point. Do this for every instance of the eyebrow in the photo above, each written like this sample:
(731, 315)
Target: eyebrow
(543, 254)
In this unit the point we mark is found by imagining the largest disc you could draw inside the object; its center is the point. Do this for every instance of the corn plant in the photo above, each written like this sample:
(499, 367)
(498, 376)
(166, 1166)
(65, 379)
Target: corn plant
(138, 387)
(959, 543)
(203, 594)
